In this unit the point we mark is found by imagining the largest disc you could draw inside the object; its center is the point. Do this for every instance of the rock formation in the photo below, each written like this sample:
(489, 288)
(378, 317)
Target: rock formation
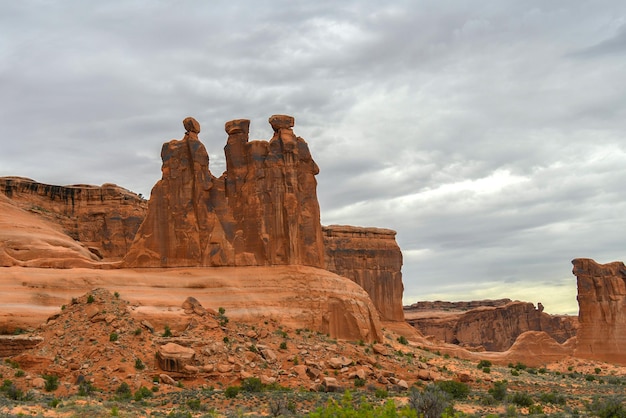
(103, 218)
(262, 211)
(370, 257)
(295, 296)
(494, 328)
(602, 310)
(27, 240)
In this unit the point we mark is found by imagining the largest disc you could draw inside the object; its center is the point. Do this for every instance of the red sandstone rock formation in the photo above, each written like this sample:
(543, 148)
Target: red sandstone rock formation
(602, 310)
(494, 328)
(103, 218)
(370, 257)
(262, 211)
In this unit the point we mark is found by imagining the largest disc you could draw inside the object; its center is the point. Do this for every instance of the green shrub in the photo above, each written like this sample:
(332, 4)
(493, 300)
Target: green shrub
(359, 383)
(432, 402)
(85, 388)
(51, 382)
(19, 373)
(486, 369)
(141, 393)
(123, 391)
(283, 345)
(139, 364)
(521, 399)
(167, 332)
(402, 340)
(498, 390)
(194, 404)
(458, 390)
(251, 384)
(91, 299)
(610, 407)
(483, 363)
(514, 372)
(231, 392)
(552, 397)
(381, 393)
(113, 336)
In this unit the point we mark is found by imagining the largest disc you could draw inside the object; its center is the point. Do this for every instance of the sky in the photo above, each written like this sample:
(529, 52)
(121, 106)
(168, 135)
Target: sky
(490, 135)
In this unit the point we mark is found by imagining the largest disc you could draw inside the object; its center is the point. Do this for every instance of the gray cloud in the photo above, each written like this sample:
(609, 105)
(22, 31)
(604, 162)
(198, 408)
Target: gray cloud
(490, 135)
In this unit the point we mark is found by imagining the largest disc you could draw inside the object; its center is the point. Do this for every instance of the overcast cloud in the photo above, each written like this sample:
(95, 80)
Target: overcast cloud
(490, 135)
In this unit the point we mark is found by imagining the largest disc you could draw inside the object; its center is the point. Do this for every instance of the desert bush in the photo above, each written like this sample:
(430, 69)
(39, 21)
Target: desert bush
(609, 407)
(402, 340)
(252, 384)
(498, 390)
(113, 336)
(139, 364)
(553, 398)
(359, 383)
(194, 404)
(483, 363)
(458, 390)
(231, 392)
(432, 402)
(141, 393)
(123, 391)
(167, 331)
(51, 382)
(283, 345)
(85, 388)
(521, 399)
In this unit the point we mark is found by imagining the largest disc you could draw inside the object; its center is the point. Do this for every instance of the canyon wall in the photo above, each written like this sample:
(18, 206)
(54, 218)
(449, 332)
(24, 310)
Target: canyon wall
(602, 310)
(104, 218)
(372, 258)
(493, 328)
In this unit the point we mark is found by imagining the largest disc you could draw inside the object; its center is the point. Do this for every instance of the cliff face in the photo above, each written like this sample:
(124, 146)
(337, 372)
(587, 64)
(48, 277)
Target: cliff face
(103, 218)
(370, 257)
(262, 211)
(602, 310)
(494, 328)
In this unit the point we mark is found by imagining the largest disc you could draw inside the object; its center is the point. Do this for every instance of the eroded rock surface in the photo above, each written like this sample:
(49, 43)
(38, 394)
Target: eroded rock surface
(494, 327)
(104, 218)
(372, 258)
(262, 211)
(602, 310)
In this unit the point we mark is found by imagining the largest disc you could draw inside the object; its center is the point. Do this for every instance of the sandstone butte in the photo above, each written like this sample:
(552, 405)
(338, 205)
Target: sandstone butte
(262, 212)
(601, 310)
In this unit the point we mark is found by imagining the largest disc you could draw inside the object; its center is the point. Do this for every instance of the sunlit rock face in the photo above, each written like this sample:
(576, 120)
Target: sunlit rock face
(372, 258)
(602, 310)
(262, 211)
(103, 218)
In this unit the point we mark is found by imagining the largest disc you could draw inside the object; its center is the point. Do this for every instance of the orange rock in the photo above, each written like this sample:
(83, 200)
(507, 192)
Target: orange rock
(262, 211)
(602, 310)
(372, 258)
(494, 326)
(104, 218)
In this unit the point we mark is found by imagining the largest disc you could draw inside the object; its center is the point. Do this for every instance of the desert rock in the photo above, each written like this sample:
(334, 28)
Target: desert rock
(602, 310)
(372, 258)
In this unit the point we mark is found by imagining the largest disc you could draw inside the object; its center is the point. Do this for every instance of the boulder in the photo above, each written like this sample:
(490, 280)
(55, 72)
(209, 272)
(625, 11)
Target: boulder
(172, 357)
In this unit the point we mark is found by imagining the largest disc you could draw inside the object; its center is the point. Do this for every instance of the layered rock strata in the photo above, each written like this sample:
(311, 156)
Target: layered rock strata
(372, 258)
(494, 328)
(262, 211)
(104, 218)
(602, 310)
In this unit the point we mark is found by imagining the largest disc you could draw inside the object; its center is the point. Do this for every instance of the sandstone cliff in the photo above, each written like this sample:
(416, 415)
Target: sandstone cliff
(262, 211)
(494, 328)
(103, 218)
(602, 310)
(370, 257)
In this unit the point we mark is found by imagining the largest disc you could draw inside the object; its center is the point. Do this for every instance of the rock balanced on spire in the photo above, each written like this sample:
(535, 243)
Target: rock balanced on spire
(262, 211)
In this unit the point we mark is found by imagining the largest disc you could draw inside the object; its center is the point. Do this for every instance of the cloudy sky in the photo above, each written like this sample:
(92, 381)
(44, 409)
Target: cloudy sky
(490, 135)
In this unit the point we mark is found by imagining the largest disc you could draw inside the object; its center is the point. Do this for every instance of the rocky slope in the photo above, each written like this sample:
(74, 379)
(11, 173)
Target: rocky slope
(495, 326)
(602, 310)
